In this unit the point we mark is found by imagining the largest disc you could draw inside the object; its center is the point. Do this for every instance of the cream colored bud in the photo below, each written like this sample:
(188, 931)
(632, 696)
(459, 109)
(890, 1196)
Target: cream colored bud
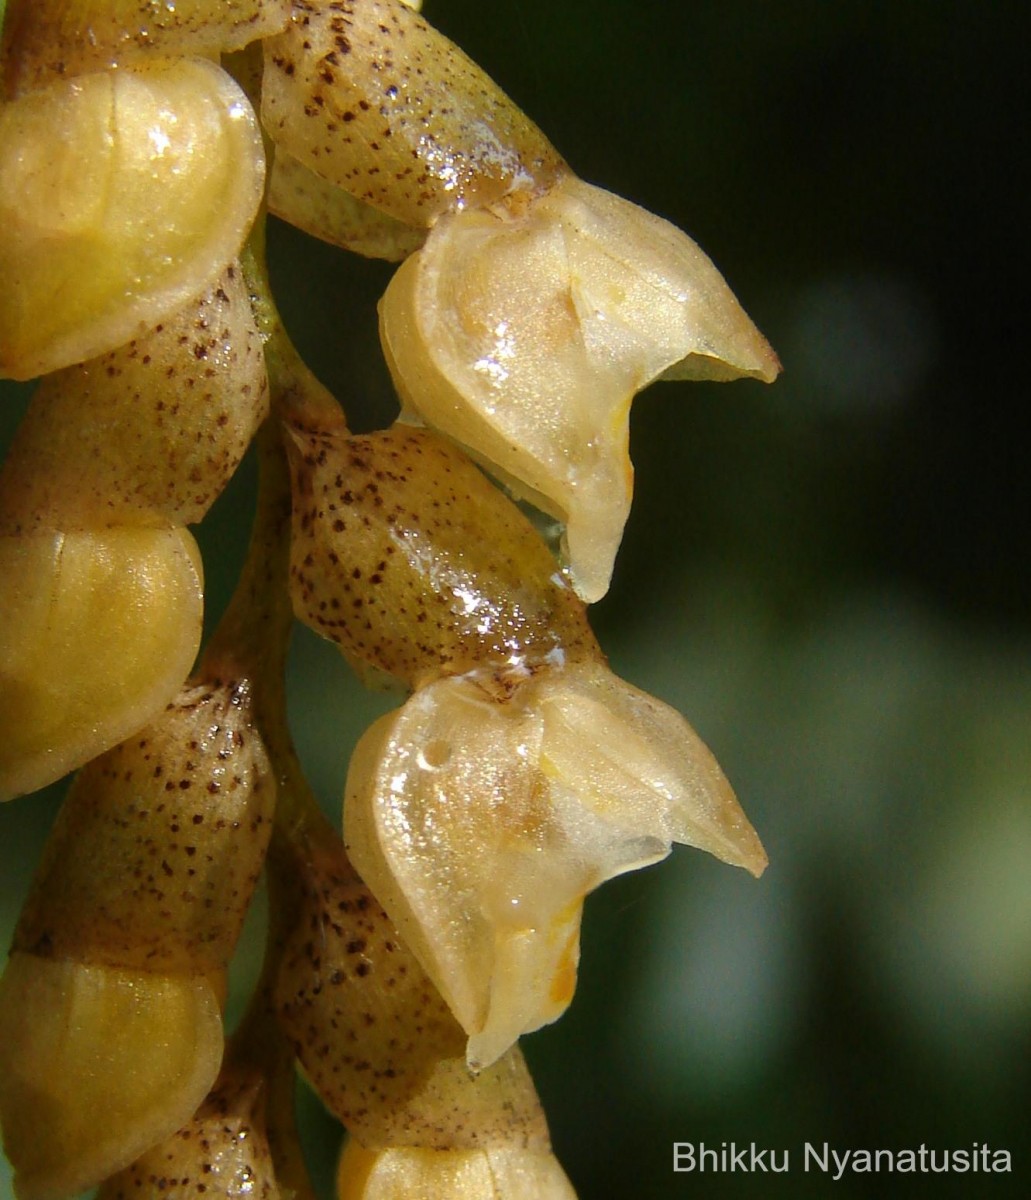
(122, 194)
(481, 826)
(97, 1065)
(100, 629)
(414, 1174)
(524, 333)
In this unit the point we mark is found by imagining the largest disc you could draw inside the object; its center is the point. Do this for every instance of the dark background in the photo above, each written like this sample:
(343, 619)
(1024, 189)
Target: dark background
(830, 577)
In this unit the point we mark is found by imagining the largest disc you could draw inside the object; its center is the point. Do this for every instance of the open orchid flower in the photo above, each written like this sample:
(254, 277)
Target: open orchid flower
(523, 332)
(482, 824)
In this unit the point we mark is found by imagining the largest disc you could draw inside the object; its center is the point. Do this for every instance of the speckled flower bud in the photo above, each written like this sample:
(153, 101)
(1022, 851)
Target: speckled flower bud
(57, 39)
(148, 433)
(369, 96)
(222, 1153)
(158, 847)
(408, 558)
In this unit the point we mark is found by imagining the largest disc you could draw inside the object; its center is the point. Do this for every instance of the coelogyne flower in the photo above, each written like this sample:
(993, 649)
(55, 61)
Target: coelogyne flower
(482, 824)
(524, 332)
(522, 773)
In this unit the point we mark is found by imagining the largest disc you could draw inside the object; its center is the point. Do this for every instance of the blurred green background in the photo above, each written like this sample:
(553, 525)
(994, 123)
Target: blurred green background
(829, 577)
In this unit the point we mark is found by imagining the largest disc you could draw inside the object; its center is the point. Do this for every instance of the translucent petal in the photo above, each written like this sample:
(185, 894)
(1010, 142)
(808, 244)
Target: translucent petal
(649, 770)
(375, 100)
(417, 1174)
(410, 1085)
(47, 39)
(146, 434)
(96, 1065)
(525, 337)
(99, 632)
(481, 825)
(122, 195)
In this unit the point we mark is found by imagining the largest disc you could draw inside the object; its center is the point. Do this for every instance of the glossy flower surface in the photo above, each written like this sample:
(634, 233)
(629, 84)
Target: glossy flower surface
(96, 1065)
(122, 195)
(413, 1173)
(524, 332)
(100, 628)
(46, 40)
(481, 826)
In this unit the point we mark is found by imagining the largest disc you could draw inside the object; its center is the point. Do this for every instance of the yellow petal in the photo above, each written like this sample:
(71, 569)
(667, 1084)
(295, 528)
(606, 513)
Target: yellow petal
(96, 1065)
(122, 195)
(410, 1173)
(525, 336)
(99, 631)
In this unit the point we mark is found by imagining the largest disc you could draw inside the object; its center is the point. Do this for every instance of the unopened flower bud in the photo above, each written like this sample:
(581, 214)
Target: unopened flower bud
(100, 629)
(150, 432)
(408, 1173)
(96, 1065)
(159, 845)
(373, 99)
(221, 1153)
(46, 40)
(122, 194)
(407, 557)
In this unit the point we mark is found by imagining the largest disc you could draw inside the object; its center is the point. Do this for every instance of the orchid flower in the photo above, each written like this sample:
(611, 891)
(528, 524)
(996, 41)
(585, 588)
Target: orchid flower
(481, 824)
(523, 332)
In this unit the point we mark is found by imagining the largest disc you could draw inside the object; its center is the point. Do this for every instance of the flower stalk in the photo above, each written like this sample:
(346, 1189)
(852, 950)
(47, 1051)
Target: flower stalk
(406, 956)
